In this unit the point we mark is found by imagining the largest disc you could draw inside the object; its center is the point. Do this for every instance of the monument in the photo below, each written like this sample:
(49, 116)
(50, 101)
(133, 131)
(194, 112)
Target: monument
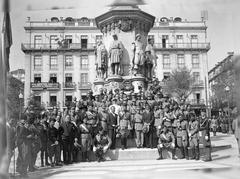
(125, 28)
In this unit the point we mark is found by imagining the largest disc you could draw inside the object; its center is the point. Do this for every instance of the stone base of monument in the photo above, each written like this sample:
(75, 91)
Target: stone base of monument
(113, 82)
(138, 80)
(98, 84)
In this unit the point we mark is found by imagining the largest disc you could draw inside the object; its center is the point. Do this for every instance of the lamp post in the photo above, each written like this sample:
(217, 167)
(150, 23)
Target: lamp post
(20, 96)
(227, 89)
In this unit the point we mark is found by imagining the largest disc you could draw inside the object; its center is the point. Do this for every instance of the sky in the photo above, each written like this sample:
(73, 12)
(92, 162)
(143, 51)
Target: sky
(223, 20)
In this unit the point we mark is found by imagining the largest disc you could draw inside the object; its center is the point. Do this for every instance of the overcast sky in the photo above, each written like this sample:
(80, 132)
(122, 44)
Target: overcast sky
(223, 20)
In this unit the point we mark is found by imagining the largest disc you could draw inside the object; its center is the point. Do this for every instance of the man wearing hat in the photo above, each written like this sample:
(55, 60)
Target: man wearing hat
(148, 120)
(166, 141)
(204, 134)
(112, 125)
(103, 118)
(193, 133)
(138, 126)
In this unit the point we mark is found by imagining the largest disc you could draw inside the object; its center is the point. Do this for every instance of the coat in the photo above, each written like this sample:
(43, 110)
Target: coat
(236, 127)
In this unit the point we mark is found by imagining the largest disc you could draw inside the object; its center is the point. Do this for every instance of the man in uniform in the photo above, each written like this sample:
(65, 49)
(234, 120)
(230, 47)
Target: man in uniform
(93, 120)
(148, 120)
(193, 130)
(101, 144)
(166, 141)
(112, 125)
(205, 135)
(138, 125)
(44, 139)
(104, 118)
(182, 136)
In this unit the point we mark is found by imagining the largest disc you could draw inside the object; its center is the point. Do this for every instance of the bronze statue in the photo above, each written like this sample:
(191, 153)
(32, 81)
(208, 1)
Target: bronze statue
(150, 63)
(115, 55)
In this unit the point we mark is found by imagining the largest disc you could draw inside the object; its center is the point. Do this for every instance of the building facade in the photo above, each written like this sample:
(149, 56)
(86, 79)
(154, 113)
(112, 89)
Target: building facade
(60, 56)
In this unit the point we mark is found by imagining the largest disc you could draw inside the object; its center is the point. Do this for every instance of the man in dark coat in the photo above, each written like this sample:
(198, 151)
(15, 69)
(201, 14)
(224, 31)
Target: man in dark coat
(148, 121)
(112, 124)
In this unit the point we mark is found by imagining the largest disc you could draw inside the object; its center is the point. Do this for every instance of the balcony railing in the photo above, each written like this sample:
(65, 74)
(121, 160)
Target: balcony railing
(197, 102)
(55, 46)
(69, 85)
(166, 46)
(45, 85)
(86, 85)
(198, 83)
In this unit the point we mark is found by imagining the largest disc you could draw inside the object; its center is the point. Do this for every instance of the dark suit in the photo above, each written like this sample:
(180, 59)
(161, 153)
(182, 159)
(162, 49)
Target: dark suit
(68, 132)
(112, 122)
(148, 118)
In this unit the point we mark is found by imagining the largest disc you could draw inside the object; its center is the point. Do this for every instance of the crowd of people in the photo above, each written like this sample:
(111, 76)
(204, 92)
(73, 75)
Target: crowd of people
(106, 121)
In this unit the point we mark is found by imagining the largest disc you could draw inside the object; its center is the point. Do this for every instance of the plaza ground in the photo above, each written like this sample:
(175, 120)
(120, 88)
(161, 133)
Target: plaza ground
(225, 164)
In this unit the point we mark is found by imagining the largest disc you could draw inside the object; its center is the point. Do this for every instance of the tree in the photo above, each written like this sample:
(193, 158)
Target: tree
(180, 83)
(15, 87)
(34, 107)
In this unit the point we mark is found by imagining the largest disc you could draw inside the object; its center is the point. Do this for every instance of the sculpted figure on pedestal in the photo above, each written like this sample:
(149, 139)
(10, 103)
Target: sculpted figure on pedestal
(115, 55)
(138, 56)
(150, 63)
(101, 60)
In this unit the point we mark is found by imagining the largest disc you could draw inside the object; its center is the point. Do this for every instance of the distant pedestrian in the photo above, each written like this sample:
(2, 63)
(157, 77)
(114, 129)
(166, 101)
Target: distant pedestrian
(236, 128)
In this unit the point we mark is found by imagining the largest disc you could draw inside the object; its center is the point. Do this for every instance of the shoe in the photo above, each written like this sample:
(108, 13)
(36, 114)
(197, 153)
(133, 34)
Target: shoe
(59, 164)
(123, 148)
(174, 157)
(42, 165)
(52, 165)
(207, 160)
(159, 158)
(47, 164)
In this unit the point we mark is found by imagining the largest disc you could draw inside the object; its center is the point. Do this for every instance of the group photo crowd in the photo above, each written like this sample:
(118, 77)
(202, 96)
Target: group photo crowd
(88, 128)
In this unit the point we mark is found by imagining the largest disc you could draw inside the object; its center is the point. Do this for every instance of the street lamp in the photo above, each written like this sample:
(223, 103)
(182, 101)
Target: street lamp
(20, 96)
(227, 89)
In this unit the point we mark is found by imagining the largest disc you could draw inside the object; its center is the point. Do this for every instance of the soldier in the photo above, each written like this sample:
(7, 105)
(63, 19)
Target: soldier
(124, 122)
(182, 136)
(193, 130)
(86, 139)
(138, 125)
(68, 133)
(112, 125)
(93, 120)
(214, 125)
(104, 118)
(158, 119)
(166, 141)
(148, 120)
(205, 136)
(101, 144)
(53, 144)
(44, 139)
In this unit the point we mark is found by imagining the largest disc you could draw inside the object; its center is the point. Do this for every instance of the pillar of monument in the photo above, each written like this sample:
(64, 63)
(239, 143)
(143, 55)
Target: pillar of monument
(125, 21)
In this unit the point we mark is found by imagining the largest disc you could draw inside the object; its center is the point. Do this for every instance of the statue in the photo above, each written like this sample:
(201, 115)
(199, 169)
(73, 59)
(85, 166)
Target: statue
(101, 60)
(138, 56)
(115, 55)
(150, 62)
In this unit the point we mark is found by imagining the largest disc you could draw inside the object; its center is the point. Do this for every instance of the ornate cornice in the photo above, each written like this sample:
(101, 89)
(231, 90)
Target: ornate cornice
(125, 20)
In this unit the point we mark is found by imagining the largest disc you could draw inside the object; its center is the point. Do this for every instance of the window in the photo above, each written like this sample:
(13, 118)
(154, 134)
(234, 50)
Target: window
(68, 38)
(151, 37)
(196, 76)
(53, 78)
(166, 75)
(164, 41)
(68, 62)
(166, 61)
(84, 41)
(53, 100)
(180, 61)
(37, 41)
(37, 62)
(68, 78)
(53, 62)
(194, 37)
(53, 41)
(68, 99)
(37, 78)
(84, 77)
(179, 37)
(195, 61)
(98, 38)
(194, 40)
(84, 62)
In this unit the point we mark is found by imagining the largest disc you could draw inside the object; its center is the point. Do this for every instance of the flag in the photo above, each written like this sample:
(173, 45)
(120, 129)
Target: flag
(6, 34)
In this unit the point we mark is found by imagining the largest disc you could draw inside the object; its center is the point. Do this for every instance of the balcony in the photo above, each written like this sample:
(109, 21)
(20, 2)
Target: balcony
(45, 86)
(198, 84)
(69, 85)
(27, 47)
(182, 46)
(86, 85)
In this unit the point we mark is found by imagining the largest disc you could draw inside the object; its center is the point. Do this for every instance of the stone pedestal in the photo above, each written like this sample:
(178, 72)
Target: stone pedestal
(98, 84)
(137, 81)
(113, 82)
